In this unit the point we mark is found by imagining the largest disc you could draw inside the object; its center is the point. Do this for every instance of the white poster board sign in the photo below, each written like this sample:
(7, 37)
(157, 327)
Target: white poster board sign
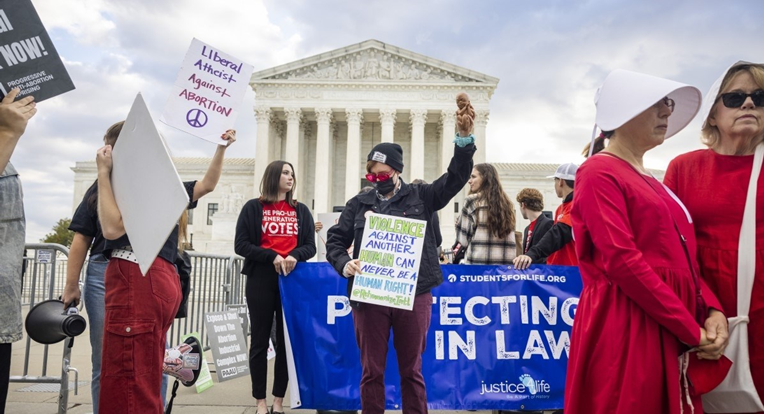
(147, 188)
(390, 259)
(207, 93)
(327, 220)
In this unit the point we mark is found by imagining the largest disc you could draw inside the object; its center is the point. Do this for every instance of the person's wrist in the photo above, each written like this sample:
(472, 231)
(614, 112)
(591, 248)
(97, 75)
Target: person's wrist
(463, 141)
(7, 135)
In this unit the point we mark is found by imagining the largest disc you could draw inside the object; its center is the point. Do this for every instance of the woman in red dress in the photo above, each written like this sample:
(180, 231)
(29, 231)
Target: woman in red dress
(713, 184)
(642, 306)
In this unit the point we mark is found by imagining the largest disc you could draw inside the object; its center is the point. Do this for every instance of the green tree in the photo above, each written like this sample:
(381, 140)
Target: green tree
(61, 233)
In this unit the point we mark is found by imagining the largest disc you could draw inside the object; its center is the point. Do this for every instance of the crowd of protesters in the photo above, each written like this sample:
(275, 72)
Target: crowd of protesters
(672, 271)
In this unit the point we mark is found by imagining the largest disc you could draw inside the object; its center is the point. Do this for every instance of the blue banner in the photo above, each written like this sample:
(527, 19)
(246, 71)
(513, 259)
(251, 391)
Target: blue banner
(498, 339)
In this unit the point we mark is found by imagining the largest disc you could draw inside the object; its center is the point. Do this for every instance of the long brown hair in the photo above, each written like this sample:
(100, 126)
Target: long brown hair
(599, 144)
(501, 212)
(269, 185)
(110, 138)
(183, 231)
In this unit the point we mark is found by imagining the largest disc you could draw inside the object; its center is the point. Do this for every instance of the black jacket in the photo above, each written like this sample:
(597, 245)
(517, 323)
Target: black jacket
(559, 235)
(248, 231)
(416, 201)
(543, 225)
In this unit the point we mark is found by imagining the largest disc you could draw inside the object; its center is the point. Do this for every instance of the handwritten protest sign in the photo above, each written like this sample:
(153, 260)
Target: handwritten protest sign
(28, 59)
(390, 259)
(207, 93)
(229, 350)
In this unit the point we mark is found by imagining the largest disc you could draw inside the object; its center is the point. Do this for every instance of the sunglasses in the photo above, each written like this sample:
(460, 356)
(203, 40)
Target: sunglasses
(666, 101)
(736, 99)
(376, 178)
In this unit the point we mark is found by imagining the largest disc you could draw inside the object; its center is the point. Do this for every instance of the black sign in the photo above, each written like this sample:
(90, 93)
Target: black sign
(28, 59)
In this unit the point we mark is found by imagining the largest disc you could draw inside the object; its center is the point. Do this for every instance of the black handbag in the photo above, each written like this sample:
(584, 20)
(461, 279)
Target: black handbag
(183, 265)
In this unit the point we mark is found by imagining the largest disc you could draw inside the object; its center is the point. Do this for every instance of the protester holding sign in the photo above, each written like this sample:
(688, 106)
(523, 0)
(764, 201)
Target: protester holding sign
(733, 132)
(13, 122)
(273, 233)
(88, 235)
(373, 323)
(486, 225)
(643, 308)
(135, 333)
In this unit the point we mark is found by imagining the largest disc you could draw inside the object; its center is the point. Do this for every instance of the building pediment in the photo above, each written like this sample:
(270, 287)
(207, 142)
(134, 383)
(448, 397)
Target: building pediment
(372, 61)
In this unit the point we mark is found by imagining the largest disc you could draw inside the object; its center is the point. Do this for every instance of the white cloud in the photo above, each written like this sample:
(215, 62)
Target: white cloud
(549, 58)
(113, 50)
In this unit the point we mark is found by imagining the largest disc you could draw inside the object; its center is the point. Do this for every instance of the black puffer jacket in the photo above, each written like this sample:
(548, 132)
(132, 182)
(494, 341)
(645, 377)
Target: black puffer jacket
(415, 201)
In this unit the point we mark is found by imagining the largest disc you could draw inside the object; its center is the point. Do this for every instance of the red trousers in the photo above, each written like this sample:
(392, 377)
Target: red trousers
(139, 312)
(373, 325)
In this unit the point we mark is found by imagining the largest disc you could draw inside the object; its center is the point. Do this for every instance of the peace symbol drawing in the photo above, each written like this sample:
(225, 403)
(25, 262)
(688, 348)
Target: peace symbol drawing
(196, 118)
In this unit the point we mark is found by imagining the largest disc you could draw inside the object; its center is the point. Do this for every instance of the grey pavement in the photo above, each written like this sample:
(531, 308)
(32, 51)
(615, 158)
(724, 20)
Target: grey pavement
(229, 397)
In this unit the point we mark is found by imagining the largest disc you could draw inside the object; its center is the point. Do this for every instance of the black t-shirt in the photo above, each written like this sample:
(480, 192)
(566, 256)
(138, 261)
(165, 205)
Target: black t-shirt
(170, 249)
(85, 220)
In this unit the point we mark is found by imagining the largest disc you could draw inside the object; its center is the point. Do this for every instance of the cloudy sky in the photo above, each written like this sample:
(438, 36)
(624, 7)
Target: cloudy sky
(550, 57)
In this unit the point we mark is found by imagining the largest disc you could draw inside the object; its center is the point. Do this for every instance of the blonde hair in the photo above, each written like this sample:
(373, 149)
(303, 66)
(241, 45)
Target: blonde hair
(710, 135)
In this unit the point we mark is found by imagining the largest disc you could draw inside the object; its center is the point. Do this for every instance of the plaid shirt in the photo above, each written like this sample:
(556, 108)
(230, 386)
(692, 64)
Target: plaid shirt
(473, 231)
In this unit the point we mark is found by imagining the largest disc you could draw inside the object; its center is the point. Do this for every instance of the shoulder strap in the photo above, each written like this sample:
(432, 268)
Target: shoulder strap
(747, 239)
(700, 304)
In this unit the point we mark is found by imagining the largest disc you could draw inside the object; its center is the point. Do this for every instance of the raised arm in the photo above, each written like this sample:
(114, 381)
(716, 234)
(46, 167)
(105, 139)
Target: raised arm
(438, 194)
(207, 184)
(108, 213)
(13, 122)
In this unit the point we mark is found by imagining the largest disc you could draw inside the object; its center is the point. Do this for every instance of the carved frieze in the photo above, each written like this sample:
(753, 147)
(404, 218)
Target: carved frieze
(340, 92)
(373, 65)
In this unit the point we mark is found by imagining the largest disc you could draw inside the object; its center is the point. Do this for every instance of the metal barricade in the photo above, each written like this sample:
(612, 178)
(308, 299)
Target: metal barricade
(43, 279)
(216, 282)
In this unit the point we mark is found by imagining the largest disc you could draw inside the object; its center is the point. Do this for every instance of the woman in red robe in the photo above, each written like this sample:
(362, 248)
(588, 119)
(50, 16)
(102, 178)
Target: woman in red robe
(641, 307)
(713, 184)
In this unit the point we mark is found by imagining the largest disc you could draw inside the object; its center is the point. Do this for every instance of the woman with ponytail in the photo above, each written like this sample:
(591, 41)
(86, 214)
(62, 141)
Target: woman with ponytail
(645, 320)
(486, 225)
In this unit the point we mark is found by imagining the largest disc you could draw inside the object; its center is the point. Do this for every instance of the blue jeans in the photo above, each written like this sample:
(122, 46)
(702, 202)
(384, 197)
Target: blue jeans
(93, 296)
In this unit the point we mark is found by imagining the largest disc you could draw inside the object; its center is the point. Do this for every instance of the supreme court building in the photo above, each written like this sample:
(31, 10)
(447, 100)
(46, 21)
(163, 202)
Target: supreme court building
(324, 114)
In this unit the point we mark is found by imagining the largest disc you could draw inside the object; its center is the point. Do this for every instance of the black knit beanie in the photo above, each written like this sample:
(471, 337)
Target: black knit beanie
(388, 153)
